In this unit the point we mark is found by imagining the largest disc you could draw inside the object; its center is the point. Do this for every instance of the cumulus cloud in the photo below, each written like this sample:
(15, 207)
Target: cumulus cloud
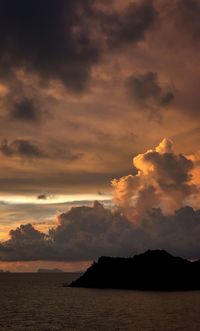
(85, 233)
(21, 148)
(147, 90)
(81, 234)
(164, 179)
(27, 243)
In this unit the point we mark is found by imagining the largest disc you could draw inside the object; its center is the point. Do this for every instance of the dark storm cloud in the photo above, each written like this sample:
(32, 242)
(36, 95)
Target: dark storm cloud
(42, 197)
(25, 110)
(130, 25)
(177, 233)
(40, 36)
(4, 249)
(58, 39)
(146, 89)
(186, 14)
(26, 233)
(28, 243)
(84, 233)
(20, 147)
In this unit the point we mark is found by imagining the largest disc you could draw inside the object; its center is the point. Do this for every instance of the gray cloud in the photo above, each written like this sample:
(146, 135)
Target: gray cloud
(39, 36)
(27, 243)
(42, 196)
(147, 90)
(25, 110)
(54, 38)
(84, 233)
(186, 16)
(28, 149)
(177, 233)
(130, 25)
(20, 147)
(62, 181)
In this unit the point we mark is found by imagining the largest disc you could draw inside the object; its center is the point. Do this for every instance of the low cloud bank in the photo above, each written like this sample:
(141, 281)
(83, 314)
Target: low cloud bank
(151, 211)
(84, 233)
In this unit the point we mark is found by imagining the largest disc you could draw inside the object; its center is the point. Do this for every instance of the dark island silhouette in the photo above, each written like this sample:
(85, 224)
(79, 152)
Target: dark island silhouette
(52, 271)
(154, 270)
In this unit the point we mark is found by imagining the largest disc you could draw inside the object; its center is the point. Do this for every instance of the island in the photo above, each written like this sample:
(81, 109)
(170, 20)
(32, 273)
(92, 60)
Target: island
(52, 271)
(154, 270)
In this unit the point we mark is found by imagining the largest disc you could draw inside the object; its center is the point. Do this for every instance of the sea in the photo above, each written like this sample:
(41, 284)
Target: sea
(40, 302)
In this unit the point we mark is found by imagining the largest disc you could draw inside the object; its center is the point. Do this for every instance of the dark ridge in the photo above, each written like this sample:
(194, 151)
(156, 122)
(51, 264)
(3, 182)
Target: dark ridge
(50, 271)
(154, 270)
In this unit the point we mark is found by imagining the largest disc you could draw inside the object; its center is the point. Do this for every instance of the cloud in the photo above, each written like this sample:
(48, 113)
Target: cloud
(28, 149)
(163, 179)
(82, 233)
(4, 249)
(177, 232)
(25, 110)
(27, 243)
(52, 49)
(39, 37)
(59, 40)
(26, 233)
(20, 147)
(42, 196)
(45, 196)
(186, 15)
(147, 90)
(129, 25)
(85, 233)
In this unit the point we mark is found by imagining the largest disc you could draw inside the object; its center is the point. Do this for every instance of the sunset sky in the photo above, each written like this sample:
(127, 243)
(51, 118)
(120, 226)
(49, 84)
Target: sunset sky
(99, 101)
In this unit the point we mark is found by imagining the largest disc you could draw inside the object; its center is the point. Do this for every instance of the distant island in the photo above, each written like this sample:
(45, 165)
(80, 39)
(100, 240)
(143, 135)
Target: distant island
(154, 270)
(4, 271)
(43, 271)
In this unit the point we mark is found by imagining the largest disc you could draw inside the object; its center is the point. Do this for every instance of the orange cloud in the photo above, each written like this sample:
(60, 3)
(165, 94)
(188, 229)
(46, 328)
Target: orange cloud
(164, 179)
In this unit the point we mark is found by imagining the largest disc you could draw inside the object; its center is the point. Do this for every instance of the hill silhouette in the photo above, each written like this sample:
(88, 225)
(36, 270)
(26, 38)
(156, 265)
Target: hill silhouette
(154, 270)
(55, 270)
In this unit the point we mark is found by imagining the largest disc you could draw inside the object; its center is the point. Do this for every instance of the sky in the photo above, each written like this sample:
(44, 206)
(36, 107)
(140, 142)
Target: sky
(99, 101)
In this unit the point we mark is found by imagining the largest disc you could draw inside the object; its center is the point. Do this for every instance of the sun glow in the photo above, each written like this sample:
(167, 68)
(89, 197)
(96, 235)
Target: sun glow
(51, 199)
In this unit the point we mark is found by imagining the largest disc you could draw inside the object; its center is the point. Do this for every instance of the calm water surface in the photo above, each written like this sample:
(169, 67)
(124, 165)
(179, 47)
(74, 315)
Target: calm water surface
(40, 302)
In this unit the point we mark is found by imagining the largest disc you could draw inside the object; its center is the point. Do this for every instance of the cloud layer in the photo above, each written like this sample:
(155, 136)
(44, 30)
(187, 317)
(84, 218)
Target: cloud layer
(84, 86)
(95, 82)
(85, 233)
(151, 212)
